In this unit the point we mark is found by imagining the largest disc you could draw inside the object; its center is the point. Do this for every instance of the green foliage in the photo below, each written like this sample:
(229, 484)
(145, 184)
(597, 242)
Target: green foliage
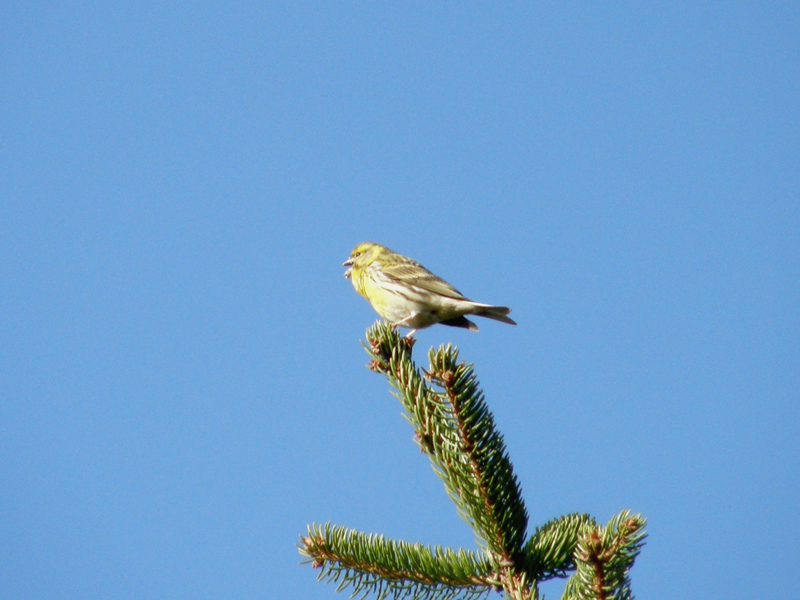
(604, 557)
(373, 564)
(456, 430)
(549, 551)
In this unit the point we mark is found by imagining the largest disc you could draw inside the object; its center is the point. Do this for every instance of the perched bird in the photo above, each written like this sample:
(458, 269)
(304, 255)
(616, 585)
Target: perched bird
(406, 294)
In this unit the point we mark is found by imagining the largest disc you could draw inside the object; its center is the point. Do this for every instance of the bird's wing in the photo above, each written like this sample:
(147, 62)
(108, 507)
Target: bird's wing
(420, 277)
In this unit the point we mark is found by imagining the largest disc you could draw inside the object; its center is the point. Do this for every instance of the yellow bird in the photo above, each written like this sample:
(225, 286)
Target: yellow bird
(406, 294)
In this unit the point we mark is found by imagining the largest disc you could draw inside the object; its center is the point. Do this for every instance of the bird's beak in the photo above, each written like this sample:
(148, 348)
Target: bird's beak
(348, 263)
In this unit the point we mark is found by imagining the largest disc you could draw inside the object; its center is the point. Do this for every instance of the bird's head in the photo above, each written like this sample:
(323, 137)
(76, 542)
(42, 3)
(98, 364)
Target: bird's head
(361, 257)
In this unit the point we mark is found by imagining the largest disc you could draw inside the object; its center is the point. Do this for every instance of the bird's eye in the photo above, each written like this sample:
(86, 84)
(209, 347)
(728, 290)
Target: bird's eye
(357, 254)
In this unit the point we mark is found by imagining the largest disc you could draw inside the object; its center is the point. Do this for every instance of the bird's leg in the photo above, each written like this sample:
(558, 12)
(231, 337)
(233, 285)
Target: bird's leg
(409, 335)
(407, 323)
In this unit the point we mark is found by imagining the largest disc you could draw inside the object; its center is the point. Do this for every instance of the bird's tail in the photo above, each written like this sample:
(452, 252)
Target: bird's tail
(498, 313)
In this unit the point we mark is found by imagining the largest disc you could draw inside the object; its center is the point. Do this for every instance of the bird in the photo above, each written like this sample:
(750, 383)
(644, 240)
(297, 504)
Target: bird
(408, 295)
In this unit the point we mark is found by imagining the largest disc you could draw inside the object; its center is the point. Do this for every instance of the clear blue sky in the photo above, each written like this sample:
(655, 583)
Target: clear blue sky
(182, 388)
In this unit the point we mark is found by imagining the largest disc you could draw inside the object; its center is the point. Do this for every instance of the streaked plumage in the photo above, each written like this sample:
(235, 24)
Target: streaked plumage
(406, 294)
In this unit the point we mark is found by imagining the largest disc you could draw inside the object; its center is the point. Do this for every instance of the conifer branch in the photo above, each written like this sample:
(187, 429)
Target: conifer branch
(455, 429)
(549, 551)
(478, 467)
(374, 564)
(604, 557)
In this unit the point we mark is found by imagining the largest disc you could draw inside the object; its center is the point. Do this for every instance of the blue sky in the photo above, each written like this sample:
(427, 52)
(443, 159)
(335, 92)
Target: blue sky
(182, 388)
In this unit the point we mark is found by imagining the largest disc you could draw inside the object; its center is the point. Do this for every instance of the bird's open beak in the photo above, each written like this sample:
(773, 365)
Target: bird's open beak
(348, 263)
